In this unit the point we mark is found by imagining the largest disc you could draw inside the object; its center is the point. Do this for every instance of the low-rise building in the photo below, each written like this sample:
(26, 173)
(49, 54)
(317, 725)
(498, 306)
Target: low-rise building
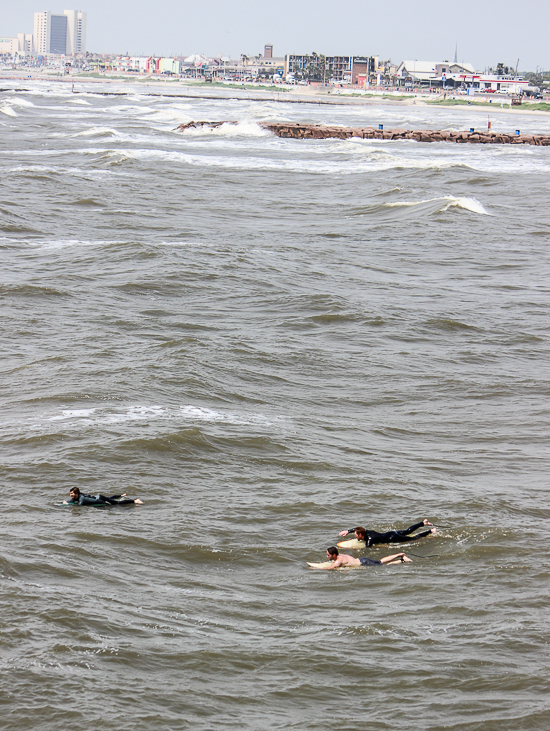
(432, 73)
(9, 46)
(491, 83)
(265, 65)
(170, 66)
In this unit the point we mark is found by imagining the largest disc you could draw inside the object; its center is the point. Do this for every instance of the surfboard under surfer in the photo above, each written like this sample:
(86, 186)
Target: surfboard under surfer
(342, 559)
(80, 498)
(373, 537)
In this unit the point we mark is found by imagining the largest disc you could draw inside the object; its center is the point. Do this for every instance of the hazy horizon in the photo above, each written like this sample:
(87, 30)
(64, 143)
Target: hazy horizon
(484, 36)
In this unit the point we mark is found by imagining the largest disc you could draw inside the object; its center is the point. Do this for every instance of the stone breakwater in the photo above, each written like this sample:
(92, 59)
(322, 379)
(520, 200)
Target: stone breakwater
(299, 131)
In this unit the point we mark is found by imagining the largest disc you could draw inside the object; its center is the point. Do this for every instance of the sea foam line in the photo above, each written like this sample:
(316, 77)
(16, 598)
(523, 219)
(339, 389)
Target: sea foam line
(107, 416)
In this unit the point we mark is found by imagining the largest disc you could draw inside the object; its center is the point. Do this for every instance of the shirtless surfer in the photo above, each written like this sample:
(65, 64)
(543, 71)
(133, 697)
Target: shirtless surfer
(341, 559)
(373, 537)
(80, 498)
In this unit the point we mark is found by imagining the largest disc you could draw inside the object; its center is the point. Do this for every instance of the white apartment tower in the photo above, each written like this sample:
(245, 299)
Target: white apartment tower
(76, 31)
(64, 34)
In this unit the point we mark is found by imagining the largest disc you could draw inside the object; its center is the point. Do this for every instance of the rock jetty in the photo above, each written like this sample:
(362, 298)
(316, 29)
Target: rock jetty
(299, 131)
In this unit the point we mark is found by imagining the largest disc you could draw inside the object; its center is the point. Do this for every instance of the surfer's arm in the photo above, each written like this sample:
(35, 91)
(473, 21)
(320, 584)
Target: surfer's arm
(346, 532)
(335, 565)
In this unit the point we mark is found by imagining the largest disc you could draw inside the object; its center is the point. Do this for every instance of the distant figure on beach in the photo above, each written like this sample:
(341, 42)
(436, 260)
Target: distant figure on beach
(372, 537)
(342, 559)
(80, 498)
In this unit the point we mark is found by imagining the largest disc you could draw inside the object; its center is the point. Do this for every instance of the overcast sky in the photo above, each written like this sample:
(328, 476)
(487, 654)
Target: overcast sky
(485, 33)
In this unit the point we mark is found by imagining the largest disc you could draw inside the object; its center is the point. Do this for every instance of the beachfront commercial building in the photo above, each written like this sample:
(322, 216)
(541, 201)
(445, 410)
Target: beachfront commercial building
(432, 73)
(266, 65)
(491, 83)
(60, 34)
(329, 69)
(450, 75)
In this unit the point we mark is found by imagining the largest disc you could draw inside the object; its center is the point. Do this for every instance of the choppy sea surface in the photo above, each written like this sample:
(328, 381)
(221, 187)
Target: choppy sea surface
(268, 341)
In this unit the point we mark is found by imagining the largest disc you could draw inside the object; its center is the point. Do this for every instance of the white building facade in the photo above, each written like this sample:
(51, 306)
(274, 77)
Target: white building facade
(76, 31)
(22, 45)
(9, 46)
(25, 43)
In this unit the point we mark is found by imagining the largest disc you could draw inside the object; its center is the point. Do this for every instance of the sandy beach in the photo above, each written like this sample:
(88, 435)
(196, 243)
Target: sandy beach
(287, 93)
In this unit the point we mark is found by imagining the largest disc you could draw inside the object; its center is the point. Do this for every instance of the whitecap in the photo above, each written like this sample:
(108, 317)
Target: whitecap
(17, 101)
(96, 132)
(446, 202)
(73, 414)
(76, 419)
(228, 129)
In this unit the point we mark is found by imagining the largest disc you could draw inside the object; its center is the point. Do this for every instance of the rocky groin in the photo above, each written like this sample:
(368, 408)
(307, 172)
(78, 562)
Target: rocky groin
(300, 131)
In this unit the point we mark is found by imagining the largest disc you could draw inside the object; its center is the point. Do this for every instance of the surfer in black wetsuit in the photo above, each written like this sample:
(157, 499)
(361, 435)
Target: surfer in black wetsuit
(373, 537)
(80, 498)
(342, 559)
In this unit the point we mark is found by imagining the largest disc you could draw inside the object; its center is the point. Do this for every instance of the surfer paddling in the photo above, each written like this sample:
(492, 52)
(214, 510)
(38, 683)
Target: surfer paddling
(80, 498)
(373, 537)
(341, 559)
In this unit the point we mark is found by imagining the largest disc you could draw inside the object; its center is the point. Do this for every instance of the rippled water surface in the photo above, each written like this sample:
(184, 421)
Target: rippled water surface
(268, 341)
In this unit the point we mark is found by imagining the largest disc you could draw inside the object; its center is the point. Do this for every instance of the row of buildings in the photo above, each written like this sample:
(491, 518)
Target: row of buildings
(53, 34)
(56, 36)
(358, 71)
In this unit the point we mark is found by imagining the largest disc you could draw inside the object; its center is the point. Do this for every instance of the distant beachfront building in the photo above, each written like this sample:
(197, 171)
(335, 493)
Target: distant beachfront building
(76, 31)
(170, 66)
(25, 43)
(22, 45)
(448, 74)
(268, 63)
(432, 73)
(490, 83)
(60, 34)
(8, 46)
(336, 69)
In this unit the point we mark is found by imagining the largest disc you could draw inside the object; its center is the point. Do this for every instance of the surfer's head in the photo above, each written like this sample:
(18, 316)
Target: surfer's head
(360, 533)
(332, 553)
(75, 493)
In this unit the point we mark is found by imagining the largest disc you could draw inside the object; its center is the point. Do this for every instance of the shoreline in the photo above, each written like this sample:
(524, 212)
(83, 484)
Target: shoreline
(291, 95)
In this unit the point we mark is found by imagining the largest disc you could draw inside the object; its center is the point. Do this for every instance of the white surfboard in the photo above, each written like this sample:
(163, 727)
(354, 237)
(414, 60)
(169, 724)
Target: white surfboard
(352, 543)
(323, 565)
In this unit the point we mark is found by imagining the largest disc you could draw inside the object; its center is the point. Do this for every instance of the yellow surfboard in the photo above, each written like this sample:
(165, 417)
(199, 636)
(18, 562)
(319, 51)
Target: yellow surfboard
(352, 543)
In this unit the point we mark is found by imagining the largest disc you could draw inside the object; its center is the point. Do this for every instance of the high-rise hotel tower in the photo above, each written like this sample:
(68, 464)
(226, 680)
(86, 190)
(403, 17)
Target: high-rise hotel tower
(60, 33)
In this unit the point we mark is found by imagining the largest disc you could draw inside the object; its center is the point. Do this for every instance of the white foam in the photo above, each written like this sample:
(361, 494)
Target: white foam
(105, 416)
(448, 201)
(73, 414)
(32, 169)
(469, 204)
(71, 243)
(17, 101)
(241, 129)
(8, 111)
(96, 132)
(77, 172)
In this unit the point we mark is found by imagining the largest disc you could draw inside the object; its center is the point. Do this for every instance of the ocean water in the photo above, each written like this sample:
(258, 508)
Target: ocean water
(268, 341)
